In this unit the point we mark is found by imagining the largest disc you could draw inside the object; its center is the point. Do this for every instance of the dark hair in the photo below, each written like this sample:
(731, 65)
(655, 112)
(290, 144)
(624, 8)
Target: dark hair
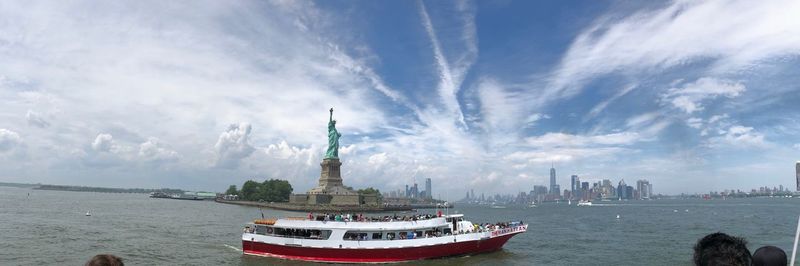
(721, 249)
(769, 256)
(105, 260)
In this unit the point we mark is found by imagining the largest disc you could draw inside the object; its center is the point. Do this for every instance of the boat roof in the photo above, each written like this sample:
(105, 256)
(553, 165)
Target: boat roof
(360, 226)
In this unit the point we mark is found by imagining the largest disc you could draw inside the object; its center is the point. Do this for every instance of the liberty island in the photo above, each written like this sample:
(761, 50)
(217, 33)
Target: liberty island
(330, 194)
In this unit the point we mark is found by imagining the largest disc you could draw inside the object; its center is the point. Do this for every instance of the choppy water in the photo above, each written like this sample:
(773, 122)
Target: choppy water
(50, 227)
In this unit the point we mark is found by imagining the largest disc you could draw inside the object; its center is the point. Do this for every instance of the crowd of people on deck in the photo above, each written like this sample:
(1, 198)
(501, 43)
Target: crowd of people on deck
(485, 227)
(722, 249)
(353, 217)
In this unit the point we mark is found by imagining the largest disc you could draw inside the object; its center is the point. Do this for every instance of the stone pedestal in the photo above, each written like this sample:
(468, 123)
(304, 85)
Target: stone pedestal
(330, 179)
(331, 174)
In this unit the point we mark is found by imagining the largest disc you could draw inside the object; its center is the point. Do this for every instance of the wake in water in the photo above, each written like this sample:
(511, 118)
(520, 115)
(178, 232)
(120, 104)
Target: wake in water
(232, 247)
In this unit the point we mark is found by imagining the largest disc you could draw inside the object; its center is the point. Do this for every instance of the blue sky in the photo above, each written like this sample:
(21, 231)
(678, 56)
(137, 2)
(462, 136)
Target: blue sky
(691, 95)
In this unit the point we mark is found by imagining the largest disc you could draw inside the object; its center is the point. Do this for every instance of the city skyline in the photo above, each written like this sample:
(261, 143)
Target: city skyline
(200, 95)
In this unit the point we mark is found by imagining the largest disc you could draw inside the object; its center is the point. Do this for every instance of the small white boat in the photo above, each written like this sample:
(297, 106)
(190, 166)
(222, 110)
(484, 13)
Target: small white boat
(617, 216)
(88, 214)
(533, 205)
(585, 203)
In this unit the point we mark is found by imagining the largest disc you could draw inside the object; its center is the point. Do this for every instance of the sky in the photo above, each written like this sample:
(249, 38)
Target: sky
(691, 95)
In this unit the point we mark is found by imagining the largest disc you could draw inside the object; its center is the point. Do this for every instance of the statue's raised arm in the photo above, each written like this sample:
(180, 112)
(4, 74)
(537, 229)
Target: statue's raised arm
(331, 117)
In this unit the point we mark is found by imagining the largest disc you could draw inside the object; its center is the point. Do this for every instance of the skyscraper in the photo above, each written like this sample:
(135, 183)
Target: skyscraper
(428, 191)
(576, 183)
(621, 189)
(553, 189)
(644, 188)
(797, 174)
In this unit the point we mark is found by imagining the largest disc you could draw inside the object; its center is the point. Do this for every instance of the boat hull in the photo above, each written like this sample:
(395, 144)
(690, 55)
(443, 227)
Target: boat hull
(374, 255)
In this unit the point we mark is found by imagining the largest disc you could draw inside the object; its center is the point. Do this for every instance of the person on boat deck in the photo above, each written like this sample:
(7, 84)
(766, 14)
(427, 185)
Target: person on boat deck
(769, 256)
(310, 216)
(721, 249)
(105, 260)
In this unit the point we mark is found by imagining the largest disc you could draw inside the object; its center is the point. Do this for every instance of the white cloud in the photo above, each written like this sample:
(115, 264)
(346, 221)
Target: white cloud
(233, 145)
(694, 122)
(569, 140)
(34, 119)
(451, 77)
(642, 119)
(567, 154)
(378, 159)
(689, 98)
(739, 136)
(284, 151)
(533, 118)
(731, 34)
(103, 142)
(602, 105)
(502, 112)
(9, 140)
(155, 151)
(716, 118)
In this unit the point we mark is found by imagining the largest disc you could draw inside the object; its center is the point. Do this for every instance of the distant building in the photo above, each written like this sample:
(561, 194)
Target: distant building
(576, 182)
(553, 189)
(644, 188)
(428, 191)
(621, 189)
(539, 193)
(797, 174)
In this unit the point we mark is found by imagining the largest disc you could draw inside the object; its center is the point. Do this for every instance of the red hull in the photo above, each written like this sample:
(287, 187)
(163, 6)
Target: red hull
(373, 255)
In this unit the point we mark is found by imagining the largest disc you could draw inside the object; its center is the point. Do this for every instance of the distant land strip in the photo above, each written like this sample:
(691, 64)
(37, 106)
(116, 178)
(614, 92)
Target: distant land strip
(106, 189)
(316, 208)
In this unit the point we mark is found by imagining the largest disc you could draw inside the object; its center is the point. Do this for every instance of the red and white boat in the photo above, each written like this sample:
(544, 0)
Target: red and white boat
(387, 240)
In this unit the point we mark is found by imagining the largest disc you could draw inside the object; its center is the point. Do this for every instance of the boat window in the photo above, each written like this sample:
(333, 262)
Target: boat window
(297, 233)
(390, 236)
(356, 236)
(261, 230)
(377, 235)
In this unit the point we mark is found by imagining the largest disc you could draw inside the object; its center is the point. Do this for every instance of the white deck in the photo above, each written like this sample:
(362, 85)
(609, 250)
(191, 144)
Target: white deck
(362, 226)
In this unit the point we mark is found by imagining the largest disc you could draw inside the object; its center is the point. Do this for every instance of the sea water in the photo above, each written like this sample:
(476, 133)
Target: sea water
(51, 228)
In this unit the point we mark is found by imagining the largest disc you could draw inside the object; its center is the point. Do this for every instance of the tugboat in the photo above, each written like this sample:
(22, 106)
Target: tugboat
(356, 239)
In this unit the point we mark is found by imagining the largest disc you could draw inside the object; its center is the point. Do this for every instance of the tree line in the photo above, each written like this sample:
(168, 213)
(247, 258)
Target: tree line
(273, 190)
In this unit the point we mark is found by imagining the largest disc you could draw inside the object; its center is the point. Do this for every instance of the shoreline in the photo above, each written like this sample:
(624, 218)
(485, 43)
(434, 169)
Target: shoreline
(315, 208)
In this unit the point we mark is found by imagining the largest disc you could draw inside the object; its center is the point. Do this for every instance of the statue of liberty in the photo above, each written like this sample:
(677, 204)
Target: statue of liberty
(333, 139)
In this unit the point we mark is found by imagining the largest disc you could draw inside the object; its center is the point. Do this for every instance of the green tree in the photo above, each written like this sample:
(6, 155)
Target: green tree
(250, 190)
(275, 190)
(232, 190)
(372, 191)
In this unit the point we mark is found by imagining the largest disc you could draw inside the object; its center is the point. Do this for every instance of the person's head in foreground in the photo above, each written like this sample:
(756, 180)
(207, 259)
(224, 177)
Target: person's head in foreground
(720, 249)
(769, 256)
(105, 260)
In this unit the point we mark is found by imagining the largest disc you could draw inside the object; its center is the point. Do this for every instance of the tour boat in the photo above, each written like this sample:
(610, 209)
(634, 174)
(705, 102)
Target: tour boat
(585, 203)
(374, 240)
